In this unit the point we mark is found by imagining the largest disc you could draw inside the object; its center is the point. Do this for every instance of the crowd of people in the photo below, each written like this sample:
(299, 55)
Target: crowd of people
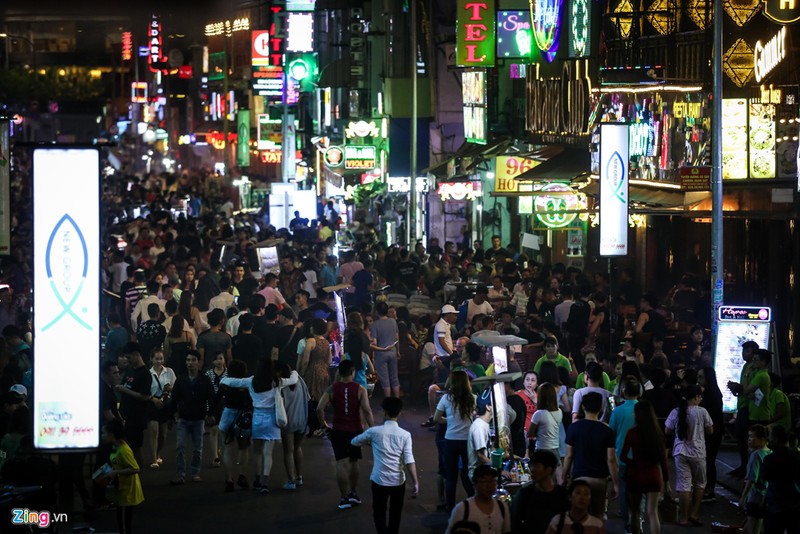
(200, 339)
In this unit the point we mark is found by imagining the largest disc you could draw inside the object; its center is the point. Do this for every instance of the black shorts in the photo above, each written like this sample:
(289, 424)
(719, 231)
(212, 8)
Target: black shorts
(134, 433)
(342, 449)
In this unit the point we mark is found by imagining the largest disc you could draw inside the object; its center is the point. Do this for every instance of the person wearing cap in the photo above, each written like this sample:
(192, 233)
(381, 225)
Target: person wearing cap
(443, 344)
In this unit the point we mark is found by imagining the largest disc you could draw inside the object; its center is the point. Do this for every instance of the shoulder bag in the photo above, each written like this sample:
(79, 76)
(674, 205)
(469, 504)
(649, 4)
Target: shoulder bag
(281, 419)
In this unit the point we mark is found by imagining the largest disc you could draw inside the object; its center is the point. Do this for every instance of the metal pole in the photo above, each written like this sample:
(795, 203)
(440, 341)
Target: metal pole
(717, 283)
(288, 155)
(411, 224)
(225, 123)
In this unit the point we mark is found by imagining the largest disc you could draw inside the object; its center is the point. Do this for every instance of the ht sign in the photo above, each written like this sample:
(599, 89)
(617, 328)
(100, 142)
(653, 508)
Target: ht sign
(782, 11)
(475, 34)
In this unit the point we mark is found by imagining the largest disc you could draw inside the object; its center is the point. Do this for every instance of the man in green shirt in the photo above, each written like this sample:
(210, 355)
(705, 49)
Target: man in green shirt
(551, 354)
(591, 356)
(757, 391)
(779, 407)
(737, 388)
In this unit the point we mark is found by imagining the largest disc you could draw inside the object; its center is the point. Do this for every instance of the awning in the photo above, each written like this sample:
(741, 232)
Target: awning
(563, 165)
(644, 197)
(471, 150)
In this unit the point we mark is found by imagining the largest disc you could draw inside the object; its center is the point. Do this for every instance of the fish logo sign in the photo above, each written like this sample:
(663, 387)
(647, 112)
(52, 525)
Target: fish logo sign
(615, 176)
(67, 265)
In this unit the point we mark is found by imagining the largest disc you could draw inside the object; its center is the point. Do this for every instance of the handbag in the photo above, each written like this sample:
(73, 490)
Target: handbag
(281, 419)
(243, 425)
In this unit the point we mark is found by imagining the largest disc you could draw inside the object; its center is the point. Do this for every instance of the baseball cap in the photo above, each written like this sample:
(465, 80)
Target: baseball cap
(20, 389)
(447, 308)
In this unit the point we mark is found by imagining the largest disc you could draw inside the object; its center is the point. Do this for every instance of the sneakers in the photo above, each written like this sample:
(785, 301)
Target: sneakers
(177, 481)
(299, 481)
(709, 498)
(257, 483)
(263, 490)
(155, 465)
(290, 486)
(429, 423)
(353, 498)
(196, 478)
(344, 504)
(229, 486)
(242, 482)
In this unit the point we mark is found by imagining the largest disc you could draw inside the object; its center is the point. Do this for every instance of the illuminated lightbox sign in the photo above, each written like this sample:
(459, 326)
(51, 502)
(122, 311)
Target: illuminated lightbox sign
(473, 96)
(580, 28)
(139, 92)
(300, 32)
(269, 133)
(550, 208)
(475, 33)
(66, 275)
(614, 160)
(737, 325)
(360, 157)
(546, 16)
(459, 190)
(514, 34)
(782, 11)
(300, 5)
(267, 81)
(260, 47)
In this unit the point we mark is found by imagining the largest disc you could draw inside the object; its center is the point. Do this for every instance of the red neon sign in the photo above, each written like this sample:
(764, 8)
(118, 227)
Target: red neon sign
(276, 43)
(127, 46)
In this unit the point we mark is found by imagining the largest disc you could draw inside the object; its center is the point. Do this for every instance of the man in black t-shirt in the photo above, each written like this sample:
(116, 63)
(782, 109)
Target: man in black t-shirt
(151, 333)
(134, 393)
(405, 273)
(536, 503)
(266, 328)
(246, 345)
(577, 326)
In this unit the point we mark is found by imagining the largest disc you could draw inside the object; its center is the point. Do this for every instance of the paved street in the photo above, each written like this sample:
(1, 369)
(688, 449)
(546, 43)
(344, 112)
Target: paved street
(203, 507)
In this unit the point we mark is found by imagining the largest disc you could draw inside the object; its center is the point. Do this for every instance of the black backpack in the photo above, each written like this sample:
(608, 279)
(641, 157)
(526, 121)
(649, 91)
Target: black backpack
(465, 526)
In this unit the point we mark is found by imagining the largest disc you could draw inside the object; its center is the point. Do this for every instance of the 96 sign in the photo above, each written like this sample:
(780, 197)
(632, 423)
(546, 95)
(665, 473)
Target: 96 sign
(508, 168)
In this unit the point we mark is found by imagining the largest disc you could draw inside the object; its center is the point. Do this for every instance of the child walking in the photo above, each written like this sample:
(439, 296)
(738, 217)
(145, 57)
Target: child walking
(124, 466)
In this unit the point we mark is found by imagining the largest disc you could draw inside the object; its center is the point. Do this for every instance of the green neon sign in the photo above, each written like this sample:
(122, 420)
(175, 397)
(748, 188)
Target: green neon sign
(475, 33)
(549, 208)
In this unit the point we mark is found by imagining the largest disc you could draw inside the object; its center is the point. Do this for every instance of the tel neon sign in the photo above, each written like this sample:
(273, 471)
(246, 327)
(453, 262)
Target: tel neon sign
(475, 34)
(546, 15)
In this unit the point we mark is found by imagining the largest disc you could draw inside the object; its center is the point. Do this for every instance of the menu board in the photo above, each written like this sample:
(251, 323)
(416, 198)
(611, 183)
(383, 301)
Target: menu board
(737, 324)
(734, 131)
(762, 140)
(473, 97)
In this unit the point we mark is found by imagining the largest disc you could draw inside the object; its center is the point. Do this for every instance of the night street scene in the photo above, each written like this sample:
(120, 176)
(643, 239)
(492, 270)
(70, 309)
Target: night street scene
(400, 266)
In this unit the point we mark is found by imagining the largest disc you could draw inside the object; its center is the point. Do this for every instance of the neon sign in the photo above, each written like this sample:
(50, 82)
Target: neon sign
(579, 27)
(156, 59)
(475, 44)
(360, 157)
(271, 156)
(766, 57)
(514, 34)
(550, 208)
(546, 16)
(362, 129)
(127, 46)
(459, 190)
(227, 27)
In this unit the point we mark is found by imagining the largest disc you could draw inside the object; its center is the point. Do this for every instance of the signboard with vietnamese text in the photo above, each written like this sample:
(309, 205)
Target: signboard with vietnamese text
(360, 157)
(696, 178)
(475, 33)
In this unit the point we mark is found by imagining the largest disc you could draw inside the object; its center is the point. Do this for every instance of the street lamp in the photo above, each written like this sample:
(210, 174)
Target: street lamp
(8, 37)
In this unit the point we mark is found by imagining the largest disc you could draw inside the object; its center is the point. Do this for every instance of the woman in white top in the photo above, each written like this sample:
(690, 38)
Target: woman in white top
(160, 387)
(296, 399)
(545, 424)
(689, 423)
(456, 409)
(263, 387)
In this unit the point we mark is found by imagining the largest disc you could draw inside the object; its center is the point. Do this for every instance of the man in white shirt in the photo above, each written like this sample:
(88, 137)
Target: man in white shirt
(442, 336)
(225, 299)
(141, 306)
(391, 450)
(561, 311)
(479, 304)
(594, 384)
(479, 444)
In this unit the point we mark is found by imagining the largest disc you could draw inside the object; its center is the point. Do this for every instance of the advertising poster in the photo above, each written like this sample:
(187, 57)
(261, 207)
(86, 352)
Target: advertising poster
(66, 275)
(243, 138)
(737, 324)
(614, 189)
(501, 425)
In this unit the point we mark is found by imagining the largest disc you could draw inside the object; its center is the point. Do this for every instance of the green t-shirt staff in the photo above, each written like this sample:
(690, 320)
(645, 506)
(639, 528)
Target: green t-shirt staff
(758, 389)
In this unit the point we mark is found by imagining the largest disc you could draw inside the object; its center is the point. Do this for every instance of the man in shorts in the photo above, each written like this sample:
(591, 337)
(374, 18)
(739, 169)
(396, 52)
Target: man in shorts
(350, 402)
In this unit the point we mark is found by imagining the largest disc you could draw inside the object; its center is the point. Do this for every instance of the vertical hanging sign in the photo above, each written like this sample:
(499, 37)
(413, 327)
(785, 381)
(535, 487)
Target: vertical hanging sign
(614, 189)
(243, 138)
(66, 278)
(475, 34)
